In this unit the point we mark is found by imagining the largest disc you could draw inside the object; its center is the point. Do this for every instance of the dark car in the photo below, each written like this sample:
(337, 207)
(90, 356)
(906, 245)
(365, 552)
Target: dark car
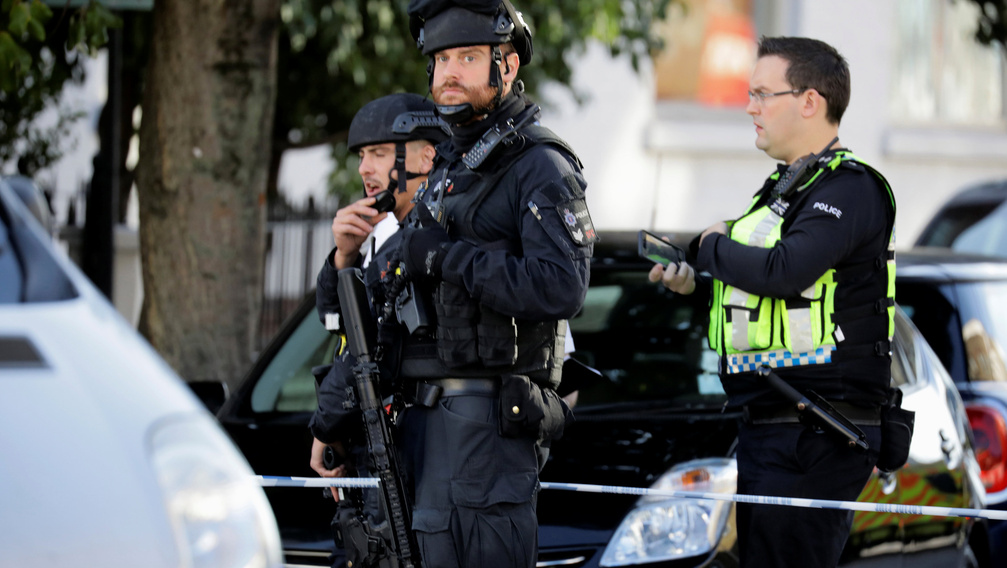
(654, 418)
(973, 221)
(959, 302)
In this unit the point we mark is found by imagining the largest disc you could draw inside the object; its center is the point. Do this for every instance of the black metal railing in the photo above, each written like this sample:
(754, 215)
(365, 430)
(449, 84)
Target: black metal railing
(297, 240)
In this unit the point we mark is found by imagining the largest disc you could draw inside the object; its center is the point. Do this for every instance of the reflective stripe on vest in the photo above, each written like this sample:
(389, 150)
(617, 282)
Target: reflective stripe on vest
(749, 330)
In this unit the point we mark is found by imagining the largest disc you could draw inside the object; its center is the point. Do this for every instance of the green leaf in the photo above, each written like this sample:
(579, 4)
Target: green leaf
(36, 30)
(19, 17)
(75, 35)
(40, 12)
(14, 61)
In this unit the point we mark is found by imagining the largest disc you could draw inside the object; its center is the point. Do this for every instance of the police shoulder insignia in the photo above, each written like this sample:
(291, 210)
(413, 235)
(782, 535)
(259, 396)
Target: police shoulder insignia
(577, 220)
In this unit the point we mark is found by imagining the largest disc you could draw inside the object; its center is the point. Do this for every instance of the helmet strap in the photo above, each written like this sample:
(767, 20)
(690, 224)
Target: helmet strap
(400, 167)
(495, 79)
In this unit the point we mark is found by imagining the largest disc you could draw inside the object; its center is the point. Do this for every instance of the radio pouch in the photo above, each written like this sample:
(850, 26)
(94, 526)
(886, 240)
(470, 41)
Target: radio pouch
(530, 411)
(896, 433)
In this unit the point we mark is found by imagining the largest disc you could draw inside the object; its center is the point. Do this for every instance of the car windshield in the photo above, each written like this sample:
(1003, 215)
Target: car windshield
(974, 229)
(648, 343)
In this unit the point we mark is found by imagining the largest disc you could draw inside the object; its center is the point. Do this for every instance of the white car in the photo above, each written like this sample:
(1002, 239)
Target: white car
(106, 458)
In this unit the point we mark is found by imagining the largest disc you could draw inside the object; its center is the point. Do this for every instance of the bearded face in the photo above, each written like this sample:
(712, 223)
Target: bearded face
(461, 75)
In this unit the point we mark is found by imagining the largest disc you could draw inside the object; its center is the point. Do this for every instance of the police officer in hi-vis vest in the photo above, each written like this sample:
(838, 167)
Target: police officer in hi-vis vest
(802, 283)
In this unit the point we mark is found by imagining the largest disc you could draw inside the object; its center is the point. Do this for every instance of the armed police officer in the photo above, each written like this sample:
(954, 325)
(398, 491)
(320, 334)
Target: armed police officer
(497, 249)
(395, 137)
(803, 285)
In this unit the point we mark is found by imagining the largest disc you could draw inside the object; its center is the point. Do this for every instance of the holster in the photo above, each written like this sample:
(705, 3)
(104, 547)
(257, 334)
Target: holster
(365, 545)
(897, 426)
(528, 410)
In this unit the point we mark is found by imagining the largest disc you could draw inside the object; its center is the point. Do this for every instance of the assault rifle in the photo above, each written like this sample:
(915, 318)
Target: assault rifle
(390, 543)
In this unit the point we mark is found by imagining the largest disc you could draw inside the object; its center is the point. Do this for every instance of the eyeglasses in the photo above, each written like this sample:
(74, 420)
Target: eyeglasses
(760, 97)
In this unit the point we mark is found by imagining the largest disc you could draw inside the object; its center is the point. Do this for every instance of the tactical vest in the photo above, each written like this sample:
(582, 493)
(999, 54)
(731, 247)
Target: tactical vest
(472, 339)
(749, 331)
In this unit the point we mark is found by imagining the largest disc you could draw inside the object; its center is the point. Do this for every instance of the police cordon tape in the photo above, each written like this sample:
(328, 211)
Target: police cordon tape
(277, 481)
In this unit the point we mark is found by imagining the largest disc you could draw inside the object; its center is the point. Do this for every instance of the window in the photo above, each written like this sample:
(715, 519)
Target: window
(287, 384)
(648, 343)
(942, 74)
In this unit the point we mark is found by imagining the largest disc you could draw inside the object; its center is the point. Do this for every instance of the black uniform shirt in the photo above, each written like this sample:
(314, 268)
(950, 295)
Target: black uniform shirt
(838, 222)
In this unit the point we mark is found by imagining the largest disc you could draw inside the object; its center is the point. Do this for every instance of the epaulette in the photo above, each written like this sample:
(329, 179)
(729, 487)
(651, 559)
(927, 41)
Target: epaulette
(853, 165)
(541, 135)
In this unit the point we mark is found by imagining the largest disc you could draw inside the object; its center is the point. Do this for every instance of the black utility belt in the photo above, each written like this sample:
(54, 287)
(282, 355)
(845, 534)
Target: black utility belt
(429, 391)
(525, 409)
(788, 414)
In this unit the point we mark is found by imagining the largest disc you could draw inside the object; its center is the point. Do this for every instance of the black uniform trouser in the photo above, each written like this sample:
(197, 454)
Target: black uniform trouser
(791, 460)
(474, 491)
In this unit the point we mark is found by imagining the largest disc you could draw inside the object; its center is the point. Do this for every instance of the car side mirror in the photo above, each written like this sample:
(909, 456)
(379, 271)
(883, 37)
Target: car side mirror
(211, 393)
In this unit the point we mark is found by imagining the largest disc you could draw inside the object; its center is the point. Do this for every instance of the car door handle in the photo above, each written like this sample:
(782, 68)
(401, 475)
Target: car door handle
(947, 446)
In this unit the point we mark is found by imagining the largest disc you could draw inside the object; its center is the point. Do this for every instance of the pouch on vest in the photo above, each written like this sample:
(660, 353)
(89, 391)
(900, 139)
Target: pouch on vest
(456, 326)
(497, 338)
(896, 433)
(749, 320)
(530, 411)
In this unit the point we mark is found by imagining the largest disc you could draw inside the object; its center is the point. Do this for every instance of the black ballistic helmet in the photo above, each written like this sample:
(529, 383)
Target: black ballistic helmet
(396, 118)
(442, 24)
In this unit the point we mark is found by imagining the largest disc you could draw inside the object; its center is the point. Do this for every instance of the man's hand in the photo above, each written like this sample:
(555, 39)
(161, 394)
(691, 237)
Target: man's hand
(720, 227)
(318, 464)
(679, 278)
(423, 249)
(351, 227)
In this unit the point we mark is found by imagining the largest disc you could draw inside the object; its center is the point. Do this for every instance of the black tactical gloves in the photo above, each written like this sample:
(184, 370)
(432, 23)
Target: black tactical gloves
(424, 248)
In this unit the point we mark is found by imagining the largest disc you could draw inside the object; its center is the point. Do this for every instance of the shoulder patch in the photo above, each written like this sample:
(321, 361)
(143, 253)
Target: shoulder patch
(577, 221)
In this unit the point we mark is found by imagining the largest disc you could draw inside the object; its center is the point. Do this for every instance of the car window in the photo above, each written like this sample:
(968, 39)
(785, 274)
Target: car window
(984, 331)
(648, 343)
(28, 273)
(971, 228)
(287, 384)
(935, 318)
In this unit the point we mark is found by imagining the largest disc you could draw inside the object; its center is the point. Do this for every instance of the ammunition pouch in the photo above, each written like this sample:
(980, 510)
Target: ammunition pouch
(456, 326)
(528, 410)
(469, 333)
(497, 338)
(896, 433)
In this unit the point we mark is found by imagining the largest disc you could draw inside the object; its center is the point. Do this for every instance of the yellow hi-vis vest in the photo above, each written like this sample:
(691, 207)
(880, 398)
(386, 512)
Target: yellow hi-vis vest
(750, 331)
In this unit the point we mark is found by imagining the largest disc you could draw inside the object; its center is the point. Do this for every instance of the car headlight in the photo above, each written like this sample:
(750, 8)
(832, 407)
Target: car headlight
(219, 513)
(661, 528)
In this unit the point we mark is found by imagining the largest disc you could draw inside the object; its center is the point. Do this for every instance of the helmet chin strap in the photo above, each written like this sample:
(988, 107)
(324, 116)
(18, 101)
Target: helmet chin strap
(464, 112)
(400, 166)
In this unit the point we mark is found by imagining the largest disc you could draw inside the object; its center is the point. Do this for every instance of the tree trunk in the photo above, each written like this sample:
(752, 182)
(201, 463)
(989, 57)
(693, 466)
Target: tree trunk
(204, 153)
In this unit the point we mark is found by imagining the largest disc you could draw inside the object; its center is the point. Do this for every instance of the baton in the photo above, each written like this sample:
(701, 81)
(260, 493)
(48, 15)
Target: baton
(822, 413)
